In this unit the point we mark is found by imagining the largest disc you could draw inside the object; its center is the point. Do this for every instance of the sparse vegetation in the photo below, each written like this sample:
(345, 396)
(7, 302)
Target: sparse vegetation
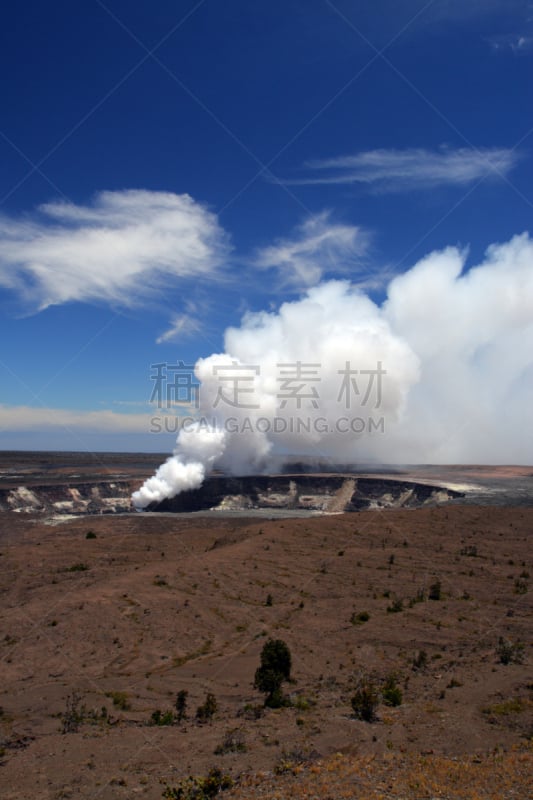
(181, 705)
(509, 652)
(515, 705)
(365, 699)
(290, 761)
(134, 637)
(76, 713)
(208, 709)
(419, 597)
(469, 550)
(395, 606)
(198, 788)
(391, 692)
(120, 700)
(162, 717)
(233, 742)
(435, 591)
(420, 661)
(360, 618)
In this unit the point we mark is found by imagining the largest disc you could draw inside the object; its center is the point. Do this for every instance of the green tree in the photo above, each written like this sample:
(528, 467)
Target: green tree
(275, 668)
(181, 705)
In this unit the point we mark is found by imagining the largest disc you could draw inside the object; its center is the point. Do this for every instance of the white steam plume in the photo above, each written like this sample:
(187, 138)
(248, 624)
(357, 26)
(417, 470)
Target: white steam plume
(454, 351)
(196, 451)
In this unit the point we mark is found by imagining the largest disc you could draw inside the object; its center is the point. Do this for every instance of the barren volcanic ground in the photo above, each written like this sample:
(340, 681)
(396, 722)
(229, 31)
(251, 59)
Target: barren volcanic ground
(105, 618)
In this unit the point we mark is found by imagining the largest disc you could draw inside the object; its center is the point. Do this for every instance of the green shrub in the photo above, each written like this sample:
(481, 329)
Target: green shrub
(233, 742)
(435, 591)
(181, 705)
(509, 652)
(391, 692)
(420, 661)
(275, 668)
(197, 788)
(76, 714)
(162, 717)
(360, 618)
(365, 700)
(120, 700)
(208, 709)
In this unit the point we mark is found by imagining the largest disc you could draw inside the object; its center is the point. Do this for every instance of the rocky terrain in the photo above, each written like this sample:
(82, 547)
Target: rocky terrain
(106, 618)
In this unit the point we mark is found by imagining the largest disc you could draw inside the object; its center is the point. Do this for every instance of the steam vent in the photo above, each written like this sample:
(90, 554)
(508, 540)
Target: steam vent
(325, 493)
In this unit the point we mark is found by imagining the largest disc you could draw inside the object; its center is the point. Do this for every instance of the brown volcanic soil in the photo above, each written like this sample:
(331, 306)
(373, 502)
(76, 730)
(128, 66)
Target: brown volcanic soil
(155, 604)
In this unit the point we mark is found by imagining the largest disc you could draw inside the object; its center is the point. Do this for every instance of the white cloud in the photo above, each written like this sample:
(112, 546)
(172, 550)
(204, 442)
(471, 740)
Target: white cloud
(183, 324)
(414, 168)
(318, 247)
(518, 43)
(27, 418)
(121, 249)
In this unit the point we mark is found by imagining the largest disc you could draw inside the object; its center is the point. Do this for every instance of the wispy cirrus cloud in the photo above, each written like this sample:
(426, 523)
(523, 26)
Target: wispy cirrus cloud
(317, 247)
(518, 43)
(123, 248)
(181, 326)
(392, 170)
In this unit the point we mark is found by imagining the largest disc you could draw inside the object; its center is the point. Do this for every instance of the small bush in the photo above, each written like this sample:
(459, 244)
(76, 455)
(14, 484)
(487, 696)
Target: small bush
(454, 684)
(291, 760)
(181, 705)
(469, 550)
(360, 618)
(420, 661)
(208, 709)
(419, 597)
(516, 705)
(76, 713)
(120, 700)
(520, 586)
(90, 535)
(302, 703)
(435, 591)
(252, 711)
(391, 692)
(73, 715)
(79, 567)
(197, 788)
(395, 606)
(365, 700)
(509, 652)
(233, 742)
(162, 717)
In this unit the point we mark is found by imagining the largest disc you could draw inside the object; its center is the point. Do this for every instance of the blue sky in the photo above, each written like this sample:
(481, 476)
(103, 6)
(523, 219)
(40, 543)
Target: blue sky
(167, 167)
